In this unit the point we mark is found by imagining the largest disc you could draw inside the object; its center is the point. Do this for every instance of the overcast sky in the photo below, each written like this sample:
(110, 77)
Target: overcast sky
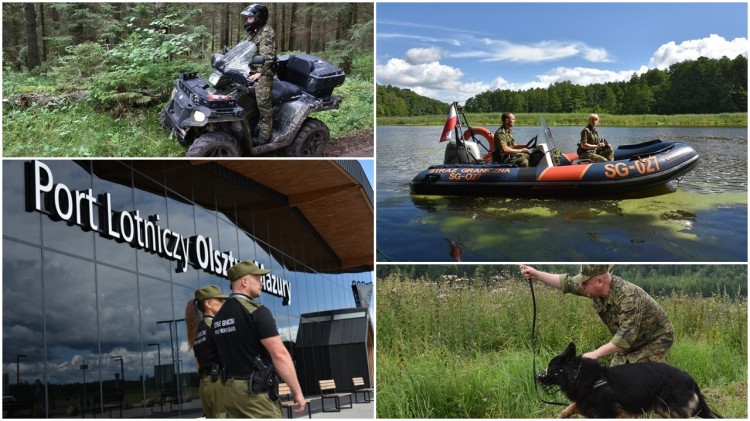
(453, 51)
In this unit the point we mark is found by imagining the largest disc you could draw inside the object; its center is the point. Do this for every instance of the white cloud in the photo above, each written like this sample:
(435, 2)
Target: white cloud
(586, 76)
(432, 75)
(500, 50)
(714, 46)
(422, 55)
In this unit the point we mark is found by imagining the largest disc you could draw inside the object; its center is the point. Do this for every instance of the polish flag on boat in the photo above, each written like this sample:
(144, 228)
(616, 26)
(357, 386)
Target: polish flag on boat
(450, 124)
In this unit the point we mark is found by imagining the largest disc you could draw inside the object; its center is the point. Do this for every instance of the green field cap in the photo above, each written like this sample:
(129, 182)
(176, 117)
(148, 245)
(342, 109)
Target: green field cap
(209, 291)
(245, 267)
(587, 271)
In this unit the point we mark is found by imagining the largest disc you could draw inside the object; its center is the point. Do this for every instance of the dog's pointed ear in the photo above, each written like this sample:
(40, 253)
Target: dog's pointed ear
(570, 351)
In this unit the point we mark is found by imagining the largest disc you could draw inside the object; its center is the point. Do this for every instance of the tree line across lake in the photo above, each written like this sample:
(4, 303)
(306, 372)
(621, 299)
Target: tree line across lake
(702, 86)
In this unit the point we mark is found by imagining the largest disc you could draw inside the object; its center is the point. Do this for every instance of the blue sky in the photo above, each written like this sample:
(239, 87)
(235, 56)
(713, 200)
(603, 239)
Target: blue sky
(369, 167)
(453, 51)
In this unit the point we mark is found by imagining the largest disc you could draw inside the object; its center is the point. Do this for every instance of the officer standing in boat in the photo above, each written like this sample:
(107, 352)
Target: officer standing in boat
(591, 147)
(506, 149)
(251, 350)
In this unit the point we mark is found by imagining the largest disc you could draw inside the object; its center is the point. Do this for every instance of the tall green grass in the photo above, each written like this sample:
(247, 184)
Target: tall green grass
(454, 350)
(579, 119)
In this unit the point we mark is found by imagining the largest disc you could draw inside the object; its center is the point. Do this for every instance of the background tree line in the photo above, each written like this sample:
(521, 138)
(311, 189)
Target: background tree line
(702, 86)
(397, 102)
(704, 280)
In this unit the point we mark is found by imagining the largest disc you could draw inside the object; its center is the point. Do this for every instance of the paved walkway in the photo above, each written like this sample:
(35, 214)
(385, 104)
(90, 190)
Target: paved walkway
(193, 410)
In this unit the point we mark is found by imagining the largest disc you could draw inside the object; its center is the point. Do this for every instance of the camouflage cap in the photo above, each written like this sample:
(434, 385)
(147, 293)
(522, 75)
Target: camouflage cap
(245, 267)
(209, 291)
(587, 271)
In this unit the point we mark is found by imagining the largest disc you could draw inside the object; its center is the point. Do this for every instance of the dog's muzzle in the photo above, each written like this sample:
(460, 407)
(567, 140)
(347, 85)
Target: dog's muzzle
(543, 377)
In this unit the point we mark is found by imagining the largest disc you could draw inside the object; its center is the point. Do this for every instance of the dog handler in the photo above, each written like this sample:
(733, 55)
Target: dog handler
(640, 327)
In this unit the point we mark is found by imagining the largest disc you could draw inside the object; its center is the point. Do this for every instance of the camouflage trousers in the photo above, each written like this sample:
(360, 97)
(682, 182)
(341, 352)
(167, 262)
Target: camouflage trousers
(522, 159)
(598, 155)
(655, 351)
(261, 104)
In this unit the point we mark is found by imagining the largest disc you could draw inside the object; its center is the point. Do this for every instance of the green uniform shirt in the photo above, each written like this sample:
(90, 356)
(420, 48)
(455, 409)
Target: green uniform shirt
(589, 136)
(634, 318)
(265, 39)
(503, 136)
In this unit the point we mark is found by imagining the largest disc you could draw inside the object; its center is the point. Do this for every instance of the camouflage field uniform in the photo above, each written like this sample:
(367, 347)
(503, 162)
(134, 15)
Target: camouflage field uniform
(505, 137)
(265, 39)
(639, 324)
(591, 137)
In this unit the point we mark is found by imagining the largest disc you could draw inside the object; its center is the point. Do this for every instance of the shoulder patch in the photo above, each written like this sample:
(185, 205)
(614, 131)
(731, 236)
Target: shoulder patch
(250, 306)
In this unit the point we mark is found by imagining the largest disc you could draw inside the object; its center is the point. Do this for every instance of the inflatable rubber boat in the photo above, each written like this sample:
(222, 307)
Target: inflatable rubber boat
(465, 171)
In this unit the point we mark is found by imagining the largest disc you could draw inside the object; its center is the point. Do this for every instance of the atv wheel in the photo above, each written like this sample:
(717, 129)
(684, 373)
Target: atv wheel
(311, 139)
(215, 145)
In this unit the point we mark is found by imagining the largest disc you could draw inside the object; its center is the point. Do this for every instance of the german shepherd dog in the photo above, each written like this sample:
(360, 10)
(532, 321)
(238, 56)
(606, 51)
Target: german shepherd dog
(623, 391)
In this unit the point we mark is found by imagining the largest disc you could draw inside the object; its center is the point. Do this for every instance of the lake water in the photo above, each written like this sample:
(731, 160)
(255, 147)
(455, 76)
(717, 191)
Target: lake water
(701, 218)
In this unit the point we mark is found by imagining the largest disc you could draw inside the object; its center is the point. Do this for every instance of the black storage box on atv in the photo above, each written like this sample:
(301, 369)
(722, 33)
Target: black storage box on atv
(316, 76)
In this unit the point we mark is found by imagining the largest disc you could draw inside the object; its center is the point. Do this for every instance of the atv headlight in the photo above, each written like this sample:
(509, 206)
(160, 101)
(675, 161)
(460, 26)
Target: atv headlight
(199, 117)
(174, 92)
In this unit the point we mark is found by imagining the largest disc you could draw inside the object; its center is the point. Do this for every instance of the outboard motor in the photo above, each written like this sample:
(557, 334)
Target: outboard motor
(465, 153)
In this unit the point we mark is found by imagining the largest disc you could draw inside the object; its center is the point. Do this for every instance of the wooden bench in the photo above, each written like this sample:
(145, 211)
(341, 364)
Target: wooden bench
(108, 402)
(328, 391)
(168, 396)
(285, 395)
(359, 387)
(18, 409)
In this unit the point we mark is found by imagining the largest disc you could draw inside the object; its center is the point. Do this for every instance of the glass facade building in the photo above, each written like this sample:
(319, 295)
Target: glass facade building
(98, 268)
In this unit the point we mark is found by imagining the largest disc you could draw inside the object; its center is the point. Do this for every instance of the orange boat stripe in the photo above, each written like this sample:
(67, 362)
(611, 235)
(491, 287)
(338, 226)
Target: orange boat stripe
(565, 173)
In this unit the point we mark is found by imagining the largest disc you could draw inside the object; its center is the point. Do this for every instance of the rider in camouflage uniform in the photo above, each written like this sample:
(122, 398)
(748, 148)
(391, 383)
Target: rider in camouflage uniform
(506, 149)
(591, 147)
(640, 327)
(262, 35)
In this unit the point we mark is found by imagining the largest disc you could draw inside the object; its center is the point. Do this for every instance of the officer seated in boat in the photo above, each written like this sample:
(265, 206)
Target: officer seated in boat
(591, 147)
(506, 150)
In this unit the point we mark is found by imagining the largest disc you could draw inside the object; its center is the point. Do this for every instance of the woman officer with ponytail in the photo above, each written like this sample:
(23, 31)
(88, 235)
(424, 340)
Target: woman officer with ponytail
(199, 316)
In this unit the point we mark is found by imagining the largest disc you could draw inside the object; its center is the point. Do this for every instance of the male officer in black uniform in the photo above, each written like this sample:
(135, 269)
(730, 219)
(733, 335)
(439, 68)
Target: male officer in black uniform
(249, 342)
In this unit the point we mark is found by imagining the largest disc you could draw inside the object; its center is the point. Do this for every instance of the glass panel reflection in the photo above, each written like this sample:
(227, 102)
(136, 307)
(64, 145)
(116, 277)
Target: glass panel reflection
(119, 335)
(18, 223)
(23, 340)
(70, 330)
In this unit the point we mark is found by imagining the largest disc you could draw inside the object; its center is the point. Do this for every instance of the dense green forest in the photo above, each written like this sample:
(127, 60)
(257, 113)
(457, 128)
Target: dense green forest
(702, 86)
(393, 101)
(112, 62)
(706, 280)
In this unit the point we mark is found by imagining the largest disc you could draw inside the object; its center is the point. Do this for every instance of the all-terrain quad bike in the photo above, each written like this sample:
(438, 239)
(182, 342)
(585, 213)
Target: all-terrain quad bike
(207, 118)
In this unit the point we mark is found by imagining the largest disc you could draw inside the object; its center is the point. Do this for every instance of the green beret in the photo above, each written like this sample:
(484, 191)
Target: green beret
(209, 291)
(587, 271)
(245, 267)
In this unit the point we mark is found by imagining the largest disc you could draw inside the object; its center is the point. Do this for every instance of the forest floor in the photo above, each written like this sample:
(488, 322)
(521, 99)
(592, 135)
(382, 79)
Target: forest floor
(360, 145)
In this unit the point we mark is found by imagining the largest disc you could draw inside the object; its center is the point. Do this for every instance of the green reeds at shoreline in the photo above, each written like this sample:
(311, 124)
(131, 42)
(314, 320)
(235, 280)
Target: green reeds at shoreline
(457, 350)
(580, 119)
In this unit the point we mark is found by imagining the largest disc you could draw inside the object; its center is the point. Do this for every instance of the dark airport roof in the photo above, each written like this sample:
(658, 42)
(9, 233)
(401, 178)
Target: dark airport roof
(320, 212)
